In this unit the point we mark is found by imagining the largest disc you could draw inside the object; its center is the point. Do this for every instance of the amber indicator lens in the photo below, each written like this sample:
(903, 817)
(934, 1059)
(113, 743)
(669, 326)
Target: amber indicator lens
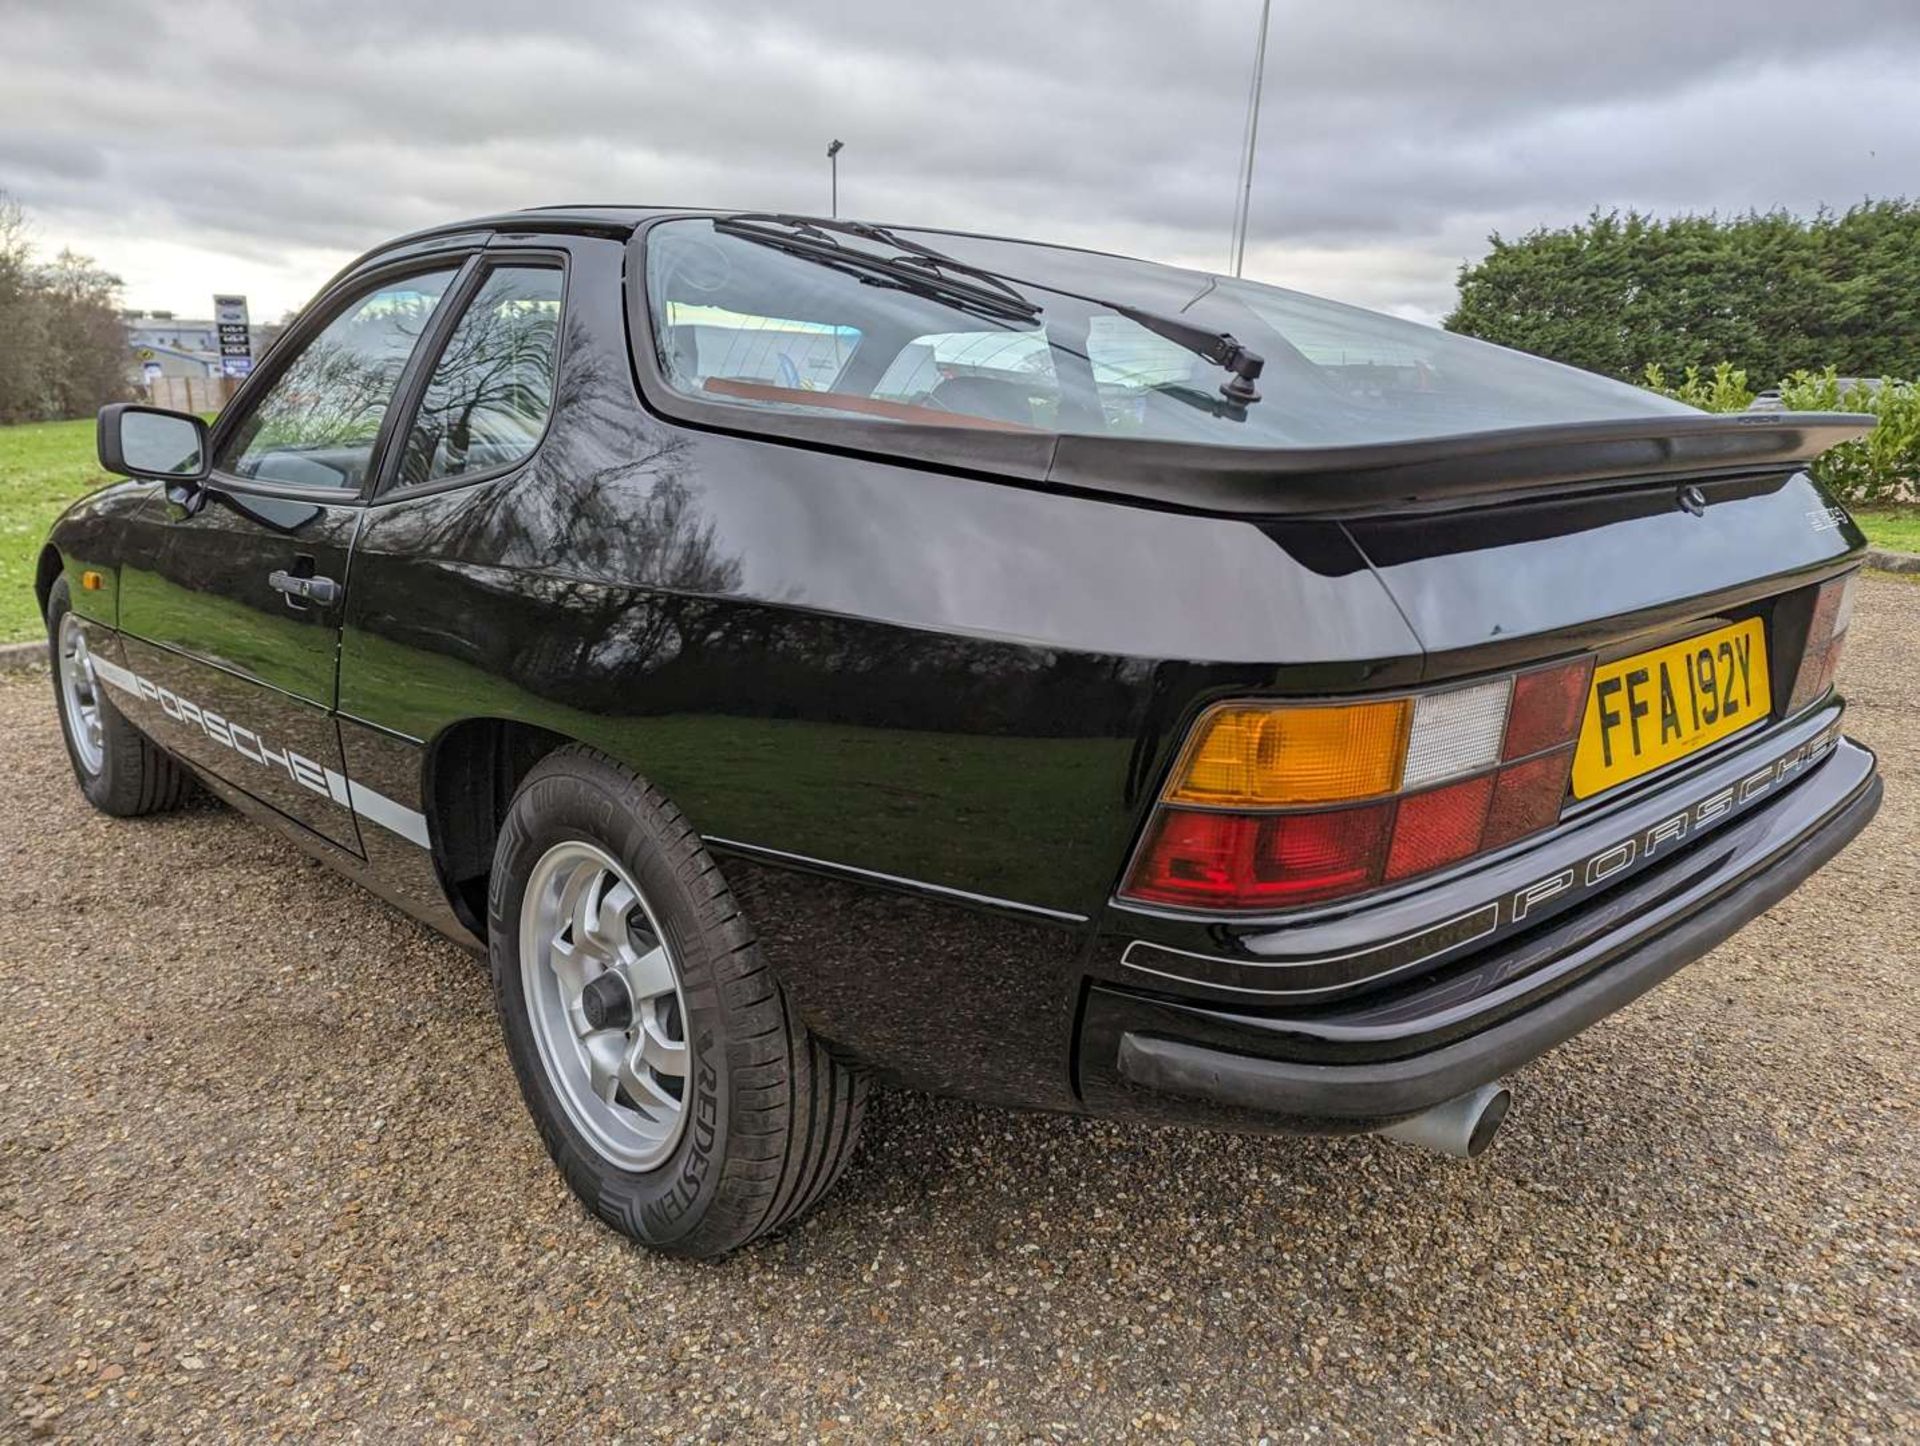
(1265, 756)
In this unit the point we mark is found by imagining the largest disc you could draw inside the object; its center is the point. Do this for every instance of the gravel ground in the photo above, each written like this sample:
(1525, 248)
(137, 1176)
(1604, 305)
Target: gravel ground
(263, 1170)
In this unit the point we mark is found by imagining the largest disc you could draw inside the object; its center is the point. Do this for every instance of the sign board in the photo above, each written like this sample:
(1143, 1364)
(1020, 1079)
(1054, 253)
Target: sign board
(236, 336)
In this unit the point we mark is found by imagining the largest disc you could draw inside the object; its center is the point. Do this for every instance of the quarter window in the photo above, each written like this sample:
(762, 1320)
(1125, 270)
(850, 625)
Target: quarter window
(317, 424)
(487, 401)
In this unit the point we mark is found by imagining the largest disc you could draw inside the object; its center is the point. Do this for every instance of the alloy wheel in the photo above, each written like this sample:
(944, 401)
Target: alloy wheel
(80, 696)
(603, 997)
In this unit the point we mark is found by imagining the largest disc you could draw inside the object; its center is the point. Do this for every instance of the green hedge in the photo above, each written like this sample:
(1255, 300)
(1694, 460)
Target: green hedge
(1882, 466)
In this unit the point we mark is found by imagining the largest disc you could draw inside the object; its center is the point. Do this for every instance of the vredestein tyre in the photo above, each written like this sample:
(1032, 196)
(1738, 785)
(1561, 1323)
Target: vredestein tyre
(119, 769)
(682, 1099)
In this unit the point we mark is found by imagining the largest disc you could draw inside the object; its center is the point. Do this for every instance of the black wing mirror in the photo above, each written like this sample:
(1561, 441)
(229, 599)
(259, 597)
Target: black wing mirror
(169, 447)
(142, 441)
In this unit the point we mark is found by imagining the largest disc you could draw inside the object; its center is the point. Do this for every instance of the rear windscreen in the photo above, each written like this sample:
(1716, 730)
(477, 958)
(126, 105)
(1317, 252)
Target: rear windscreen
(739, 321)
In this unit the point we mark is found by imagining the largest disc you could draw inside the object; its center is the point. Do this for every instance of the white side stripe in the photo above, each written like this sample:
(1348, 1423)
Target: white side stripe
(395, 817)
(365, 803)
(115, 674)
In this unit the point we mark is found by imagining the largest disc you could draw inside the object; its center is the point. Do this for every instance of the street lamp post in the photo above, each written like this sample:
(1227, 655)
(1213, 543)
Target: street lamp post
(833, 165)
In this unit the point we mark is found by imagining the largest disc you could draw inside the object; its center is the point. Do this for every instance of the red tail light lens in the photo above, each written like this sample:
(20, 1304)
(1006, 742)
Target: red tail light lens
(1241, 861)
(1547, 707)
(1527, 797)
(1439, 827)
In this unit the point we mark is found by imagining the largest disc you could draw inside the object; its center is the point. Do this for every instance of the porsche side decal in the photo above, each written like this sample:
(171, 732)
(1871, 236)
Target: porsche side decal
(375, 807)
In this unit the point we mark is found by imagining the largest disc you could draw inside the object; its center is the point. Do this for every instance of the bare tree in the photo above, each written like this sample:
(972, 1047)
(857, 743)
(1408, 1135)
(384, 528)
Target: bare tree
(65, 349)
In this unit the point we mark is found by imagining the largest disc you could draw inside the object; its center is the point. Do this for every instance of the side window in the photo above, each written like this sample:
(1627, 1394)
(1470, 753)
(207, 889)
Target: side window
(317, 424)
(487, 401)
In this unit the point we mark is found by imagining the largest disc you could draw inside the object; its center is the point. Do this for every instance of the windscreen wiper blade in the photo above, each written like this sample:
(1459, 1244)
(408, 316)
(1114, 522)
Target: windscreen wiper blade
(915, 252)
(813, 235)
(805, 237)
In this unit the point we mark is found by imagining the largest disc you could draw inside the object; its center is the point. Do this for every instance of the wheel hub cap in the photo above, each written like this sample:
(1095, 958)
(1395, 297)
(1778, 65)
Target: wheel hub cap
(607, 1002)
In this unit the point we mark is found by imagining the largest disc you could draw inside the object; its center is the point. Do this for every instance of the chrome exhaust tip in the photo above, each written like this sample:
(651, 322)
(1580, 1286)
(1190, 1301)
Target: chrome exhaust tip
(1463, 1126)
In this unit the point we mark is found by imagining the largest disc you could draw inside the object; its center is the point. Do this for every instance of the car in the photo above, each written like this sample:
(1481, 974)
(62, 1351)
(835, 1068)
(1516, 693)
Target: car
(801, 653)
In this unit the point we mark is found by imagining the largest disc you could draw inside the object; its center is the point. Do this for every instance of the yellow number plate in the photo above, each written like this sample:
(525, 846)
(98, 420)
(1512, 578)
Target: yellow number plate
(1657, 706)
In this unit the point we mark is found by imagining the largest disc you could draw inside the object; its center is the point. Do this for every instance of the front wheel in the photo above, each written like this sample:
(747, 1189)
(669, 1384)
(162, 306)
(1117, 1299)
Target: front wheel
(684, 1102)
(119, 769)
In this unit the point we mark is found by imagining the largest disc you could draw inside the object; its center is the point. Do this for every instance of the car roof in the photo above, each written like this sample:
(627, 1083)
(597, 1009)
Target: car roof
(590, 217)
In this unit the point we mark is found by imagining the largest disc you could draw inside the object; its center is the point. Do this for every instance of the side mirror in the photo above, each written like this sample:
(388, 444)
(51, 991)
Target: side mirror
(142, 441)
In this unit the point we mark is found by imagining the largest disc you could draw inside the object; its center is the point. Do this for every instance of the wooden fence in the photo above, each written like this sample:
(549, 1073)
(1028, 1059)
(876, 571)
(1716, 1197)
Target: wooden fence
(191, 394)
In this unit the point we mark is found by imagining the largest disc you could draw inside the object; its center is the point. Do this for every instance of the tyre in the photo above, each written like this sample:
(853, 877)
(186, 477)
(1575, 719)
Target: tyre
(679, 1094)
(120, 770)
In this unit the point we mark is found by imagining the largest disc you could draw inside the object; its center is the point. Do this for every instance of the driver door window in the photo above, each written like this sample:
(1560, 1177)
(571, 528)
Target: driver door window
(317, 424)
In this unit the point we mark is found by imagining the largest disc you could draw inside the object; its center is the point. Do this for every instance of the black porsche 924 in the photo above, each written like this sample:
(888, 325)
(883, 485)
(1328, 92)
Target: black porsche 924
(801, 652)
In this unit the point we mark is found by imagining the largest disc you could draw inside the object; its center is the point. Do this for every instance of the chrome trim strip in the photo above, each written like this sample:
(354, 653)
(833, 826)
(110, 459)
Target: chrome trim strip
(1490, 909)
(920, 886)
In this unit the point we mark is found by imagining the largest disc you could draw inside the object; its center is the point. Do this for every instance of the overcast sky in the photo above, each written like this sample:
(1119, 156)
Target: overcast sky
(194, 145)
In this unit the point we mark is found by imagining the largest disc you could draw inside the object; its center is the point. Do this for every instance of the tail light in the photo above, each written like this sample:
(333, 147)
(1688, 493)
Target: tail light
(1273, 805)
(1832, 611)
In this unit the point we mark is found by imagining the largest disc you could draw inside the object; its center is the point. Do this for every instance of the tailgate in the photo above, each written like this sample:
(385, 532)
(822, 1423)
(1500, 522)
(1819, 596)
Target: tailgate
(1491, 586)
(1697, 600)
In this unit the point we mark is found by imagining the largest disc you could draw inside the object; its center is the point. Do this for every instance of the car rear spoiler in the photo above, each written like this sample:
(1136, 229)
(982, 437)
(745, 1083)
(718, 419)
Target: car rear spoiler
(1474, 468)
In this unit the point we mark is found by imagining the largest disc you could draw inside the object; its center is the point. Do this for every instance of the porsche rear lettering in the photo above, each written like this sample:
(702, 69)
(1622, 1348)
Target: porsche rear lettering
(1669, 831)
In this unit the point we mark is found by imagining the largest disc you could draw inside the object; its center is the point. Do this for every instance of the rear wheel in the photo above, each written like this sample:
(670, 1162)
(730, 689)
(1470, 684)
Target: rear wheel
(683, 1100)
(119, 769)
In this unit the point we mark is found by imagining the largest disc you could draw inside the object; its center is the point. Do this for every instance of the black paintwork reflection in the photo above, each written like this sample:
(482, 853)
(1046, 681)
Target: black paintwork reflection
(932, 994)
(404, 872)
(223, 638)
(94, 534)
(1497, 577)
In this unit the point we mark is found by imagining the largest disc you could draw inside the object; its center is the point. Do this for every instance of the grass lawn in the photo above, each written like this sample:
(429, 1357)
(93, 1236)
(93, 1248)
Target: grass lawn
(1896, 527)
(43, 467)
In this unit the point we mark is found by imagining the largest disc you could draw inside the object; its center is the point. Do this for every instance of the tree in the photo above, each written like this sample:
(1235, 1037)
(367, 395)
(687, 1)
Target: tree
(1769, 293)
(85, 339)
(21, 319)
(63, 347)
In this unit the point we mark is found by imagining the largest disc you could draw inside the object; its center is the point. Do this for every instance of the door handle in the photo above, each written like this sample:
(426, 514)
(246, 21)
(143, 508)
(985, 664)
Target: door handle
(321, 590)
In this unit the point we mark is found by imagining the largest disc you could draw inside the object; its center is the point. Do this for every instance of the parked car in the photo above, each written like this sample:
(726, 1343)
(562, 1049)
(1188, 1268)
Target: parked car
(800, 652)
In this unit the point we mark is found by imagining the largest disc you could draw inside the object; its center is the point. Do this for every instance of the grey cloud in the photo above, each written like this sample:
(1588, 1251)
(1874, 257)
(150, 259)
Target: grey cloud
(1400, 130)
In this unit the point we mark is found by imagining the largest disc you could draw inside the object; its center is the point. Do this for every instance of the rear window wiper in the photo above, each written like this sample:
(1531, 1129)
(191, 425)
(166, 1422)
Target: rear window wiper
(810, 239)
(1220, 348)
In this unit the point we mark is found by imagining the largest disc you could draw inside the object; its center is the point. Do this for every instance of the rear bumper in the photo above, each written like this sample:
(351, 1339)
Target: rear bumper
(1386, 1056)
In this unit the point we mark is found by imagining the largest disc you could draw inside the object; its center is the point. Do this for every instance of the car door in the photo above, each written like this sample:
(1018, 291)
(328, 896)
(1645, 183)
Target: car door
(232, 628)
